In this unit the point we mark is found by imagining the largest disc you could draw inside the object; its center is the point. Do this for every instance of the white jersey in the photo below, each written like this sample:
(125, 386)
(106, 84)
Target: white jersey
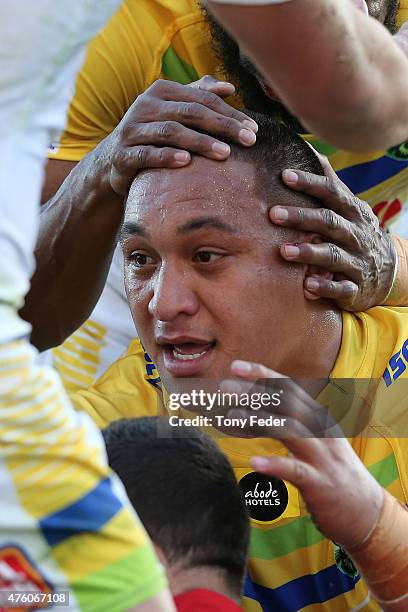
(69, 538)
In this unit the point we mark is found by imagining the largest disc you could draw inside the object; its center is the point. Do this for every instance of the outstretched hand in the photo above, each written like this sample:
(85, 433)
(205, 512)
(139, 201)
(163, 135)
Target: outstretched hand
(341, 495)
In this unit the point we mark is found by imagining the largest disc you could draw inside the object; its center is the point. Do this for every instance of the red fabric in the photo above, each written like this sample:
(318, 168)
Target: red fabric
(201, 600)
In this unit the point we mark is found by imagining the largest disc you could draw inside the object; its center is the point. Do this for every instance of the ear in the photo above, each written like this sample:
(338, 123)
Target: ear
(312, 271)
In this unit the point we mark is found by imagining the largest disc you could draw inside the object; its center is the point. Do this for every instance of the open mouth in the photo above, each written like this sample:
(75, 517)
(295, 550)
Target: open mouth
(187, 358)
(190, 350)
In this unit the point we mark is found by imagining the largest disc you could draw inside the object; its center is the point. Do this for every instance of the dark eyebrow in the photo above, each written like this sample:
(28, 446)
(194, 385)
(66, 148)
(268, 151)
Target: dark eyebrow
(200, 222)
(130, 228)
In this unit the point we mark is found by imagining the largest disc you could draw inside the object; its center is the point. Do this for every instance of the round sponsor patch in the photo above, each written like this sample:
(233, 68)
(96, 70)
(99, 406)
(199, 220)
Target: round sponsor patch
(266, 498)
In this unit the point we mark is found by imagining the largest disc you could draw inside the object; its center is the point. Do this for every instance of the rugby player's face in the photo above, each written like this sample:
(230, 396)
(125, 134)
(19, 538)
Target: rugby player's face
(203, 275)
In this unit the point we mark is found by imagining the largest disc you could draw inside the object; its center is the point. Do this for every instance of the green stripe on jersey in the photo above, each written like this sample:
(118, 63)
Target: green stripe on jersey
(301, 532)
(123, 584)
(176, 69)
(385, 471)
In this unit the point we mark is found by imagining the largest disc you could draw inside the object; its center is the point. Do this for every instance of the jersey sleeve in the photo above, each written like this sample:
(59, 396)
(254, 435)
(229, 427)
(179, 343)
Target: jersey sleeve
(129, 388)
(66, 523)
(402, 12)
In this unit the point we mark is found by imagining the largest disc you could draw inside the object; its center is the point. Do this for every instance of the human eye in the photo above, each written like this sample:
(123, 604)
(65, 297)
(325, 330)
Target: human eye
(140, 260)
(207, 257)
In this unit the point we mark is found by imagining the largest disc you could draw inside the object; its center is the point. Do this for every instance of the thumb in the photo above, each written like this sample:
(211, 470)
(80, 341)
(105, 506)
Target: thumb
(361, 5)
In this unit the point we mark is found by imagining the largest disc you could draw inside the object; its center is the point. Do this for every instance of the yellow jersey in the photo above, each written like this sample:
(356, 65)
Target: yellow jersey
(144, 41)
(292, 566)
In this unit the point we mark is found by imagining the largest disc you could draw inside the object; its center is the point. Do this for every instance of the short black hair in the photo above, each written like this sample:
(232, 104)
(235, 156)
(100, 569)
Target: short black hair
(277, 148)
(185, 493)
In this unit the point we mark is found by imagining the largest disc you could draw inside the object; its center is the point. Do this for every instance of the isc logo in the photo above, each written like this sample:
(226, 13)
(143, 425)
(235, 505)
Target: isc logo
(397, 365)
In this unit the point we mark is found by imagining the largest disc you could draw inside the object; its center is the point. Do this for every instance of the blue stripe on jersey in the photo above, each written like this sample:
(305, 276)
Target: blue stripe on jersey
(361, 177)
(88, 514)
(301, 592)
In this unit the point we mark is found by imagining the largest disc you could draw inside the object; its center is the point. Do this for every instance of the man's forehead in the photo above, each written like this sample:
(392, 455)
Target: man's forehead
(203, 185)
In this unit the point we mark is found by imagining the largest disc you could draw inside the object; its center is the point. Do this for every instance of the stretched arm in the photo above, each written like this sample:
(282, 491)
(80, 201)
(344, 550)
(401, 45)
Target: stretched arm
(370, 525)
(340, 73)
(79, 224)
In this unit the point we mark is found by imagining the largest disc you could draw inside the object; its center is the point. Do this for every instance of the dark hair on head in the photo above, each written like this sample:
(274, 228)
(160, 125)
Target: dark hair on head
(185, 493)
(277, 148)
(391, 16)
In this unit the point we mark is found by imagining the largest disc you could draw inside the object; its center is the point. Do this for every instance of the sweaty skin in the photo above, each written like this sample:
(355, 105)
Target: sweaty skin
(357, 98)
(204, 276)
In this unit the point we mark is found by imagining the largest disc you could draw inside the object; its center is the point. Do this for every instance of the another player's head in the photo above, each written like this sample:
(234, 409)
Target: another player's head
(239, 69)
(187, 497)
(204, 278)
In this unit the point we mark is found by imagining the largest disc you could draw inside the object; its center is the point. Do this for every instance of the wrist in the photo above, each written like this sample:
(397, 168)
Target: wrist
(391, 270)
(382, 557)
(398, 293)
(97, 167)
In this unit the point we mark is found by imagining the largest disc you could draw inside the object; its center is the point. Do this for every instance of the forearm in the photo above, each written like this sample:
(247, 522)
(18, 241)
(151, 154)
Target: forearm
(322, 59)
(78, 229)
(383, 558)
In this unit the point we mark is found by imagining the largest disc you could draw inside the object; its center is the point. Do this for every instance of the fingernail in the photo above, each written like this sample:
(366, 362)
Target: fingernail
(259, 462)
(241, 366)
(279, 214)
(221, 149)
(312, 284)
(290, 176)
(247, 137)
(291, 251)
(250, 125)
(182, 157)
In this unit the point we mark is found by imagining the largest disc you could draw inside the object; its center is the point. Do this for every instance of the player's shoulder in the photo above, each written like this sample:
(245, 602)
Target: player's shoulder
(389, 322)
(129, 388)
(387, 340)
(128, 369)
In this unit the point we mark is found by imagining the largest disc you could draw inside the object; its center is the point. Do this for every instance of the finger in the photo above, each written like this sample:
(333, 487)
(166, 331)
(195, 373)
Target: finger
(361, 5)
(261, 400)
(294, 402)
(299, 473)
(188, 93)
(327, 168)
(239, 387)
(324, 162)
(329, 190)
(327, 256)
(174, 134)
(193, 114)
(210, 83)
(253, 371)
(343, 292)
(126, 165)
(283, 398)
(321, 221)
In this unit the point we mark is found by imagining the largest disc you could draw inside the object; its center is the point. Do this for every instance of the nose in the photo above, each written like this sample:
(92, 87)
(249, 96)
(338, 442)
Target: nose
(172, 295)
